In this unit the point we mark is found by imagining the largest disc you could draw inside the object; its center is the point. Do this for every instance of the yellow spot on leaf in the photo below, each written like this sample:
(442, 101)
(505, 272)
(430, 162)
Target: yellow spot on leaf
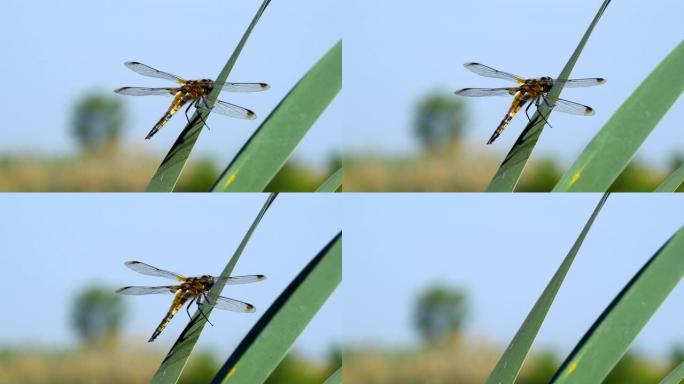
(573, 366)
(575, 177)
(231, 372)
(229, 180)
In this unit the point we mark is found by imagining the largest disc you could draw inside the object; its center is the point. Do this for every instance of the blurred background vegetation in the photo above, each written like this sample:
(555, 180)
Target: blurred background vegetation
(104, 164)
(446, 354)
(446, 163)
(102, 356)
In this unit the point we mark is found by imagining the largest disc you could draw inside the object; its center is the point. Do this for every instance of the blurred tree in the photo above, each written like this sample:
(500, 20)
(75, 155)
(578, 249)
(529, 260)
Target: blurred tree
(539, 368)
(634, 370)
(199, 177)
(541, 176)
(637, 177)
(293, 177)
(97, 122)
(97, 314)
(440, 311)
(439, 118)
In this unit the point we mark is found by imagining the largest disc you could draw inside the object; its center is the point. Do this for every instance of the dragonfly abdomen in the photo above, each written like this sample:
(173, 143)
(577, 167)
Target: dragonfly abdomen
(518, 101)
(178, 301)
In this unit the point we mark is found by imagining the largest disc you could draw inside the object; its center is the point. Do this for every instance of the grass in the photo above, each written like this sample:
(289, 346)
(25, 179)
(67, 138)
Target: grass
(609, 337)
(166, 177)
(673, 182)
(267, 343)
(333, 183)
(511, 169)
(272, 144)
(508, 367)
(611, 150)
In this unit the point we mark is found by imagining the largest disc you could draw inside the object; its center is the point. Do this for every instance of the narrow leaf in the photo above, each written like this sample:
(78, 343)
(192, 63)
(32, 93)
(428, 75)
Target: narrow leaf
(271, 145)
(333, 183)
(335, 378)
(506, 178)
(166, 177)
(609, 152)
(268, 341)
(676, 376)
(511, 361)
(612, 333)
(673, 182)
(175, 360)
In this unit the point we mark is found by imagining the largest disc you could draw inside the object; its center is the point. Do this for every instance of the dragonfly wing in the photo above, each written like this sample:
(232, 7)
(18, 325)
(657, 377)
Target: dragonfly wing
(562, 105)
(146, 290)
(235, 280)
(478, 92)
(149, 270)
(484, 70)
(227, 109)
(576, 83)
(242, 87)
(146, 70)
(232, 305)
(139, 91)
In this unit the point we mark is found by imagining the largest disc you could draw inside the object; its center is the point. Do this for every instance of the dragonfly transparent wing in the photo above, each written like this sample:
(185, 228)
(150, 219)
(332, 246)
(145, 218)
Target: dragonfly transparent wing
(146, 290)
(139, 91)
(484, 70)
(235, 280)
(576, 83)
(146, 70)
(227, 109)
(242, 87)
(149, 270)
(231, 304)
(566, 106)
(478, 92)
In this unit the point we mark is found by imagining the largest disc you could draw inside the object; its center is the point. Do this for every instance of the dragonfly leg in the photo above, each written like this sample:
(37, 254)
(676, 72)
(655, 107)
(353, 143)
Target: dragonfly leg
(203, 315)
(202, 118)
(186, 112)
(187, 308)
(527, 109)
(544, 118)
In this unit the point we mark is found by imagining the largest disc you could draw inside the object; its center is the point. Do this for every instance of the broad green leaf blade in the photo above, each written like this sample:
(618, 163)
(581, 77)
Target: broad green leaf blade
(175, 360)
(271, 145)
(511, 361)
(508, 174)
(335, 378)
(333, 183)
(609, 152)
(166, 177)
(612, 333)
(676, 376)
(268, 341)
(673, 182)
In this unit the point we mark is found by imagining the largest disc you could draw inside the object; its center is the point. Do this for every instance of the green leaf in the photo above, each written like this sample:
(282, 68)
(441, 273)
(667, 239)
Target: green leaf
(511, 361)
(333, 183)
(166, 177)
(676, 376)
(673, 182)
(612, 333)
(271, 145)
(335, 378)
(506, 178)
(272, 336)
(609, 152)
(175, 360)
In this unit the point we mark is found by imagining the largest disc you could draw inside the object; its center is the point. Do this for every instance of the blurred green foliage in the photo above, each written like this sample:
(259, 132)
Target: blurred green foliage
(97, 314)
(440, 311)
(98, 121)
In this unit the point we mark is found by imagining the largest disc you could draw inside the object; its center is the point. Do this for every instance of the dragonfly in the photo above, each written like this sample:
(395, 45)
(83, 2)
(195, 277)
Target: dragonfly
(189, 290)
(532, 91)
(190, 92)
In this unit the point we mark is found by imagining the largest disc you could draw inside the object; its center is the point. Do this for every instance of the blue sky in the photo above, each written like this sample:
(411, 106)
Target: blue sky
(502, 250)
(56, 51)
(396, 52)
(54, 245)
